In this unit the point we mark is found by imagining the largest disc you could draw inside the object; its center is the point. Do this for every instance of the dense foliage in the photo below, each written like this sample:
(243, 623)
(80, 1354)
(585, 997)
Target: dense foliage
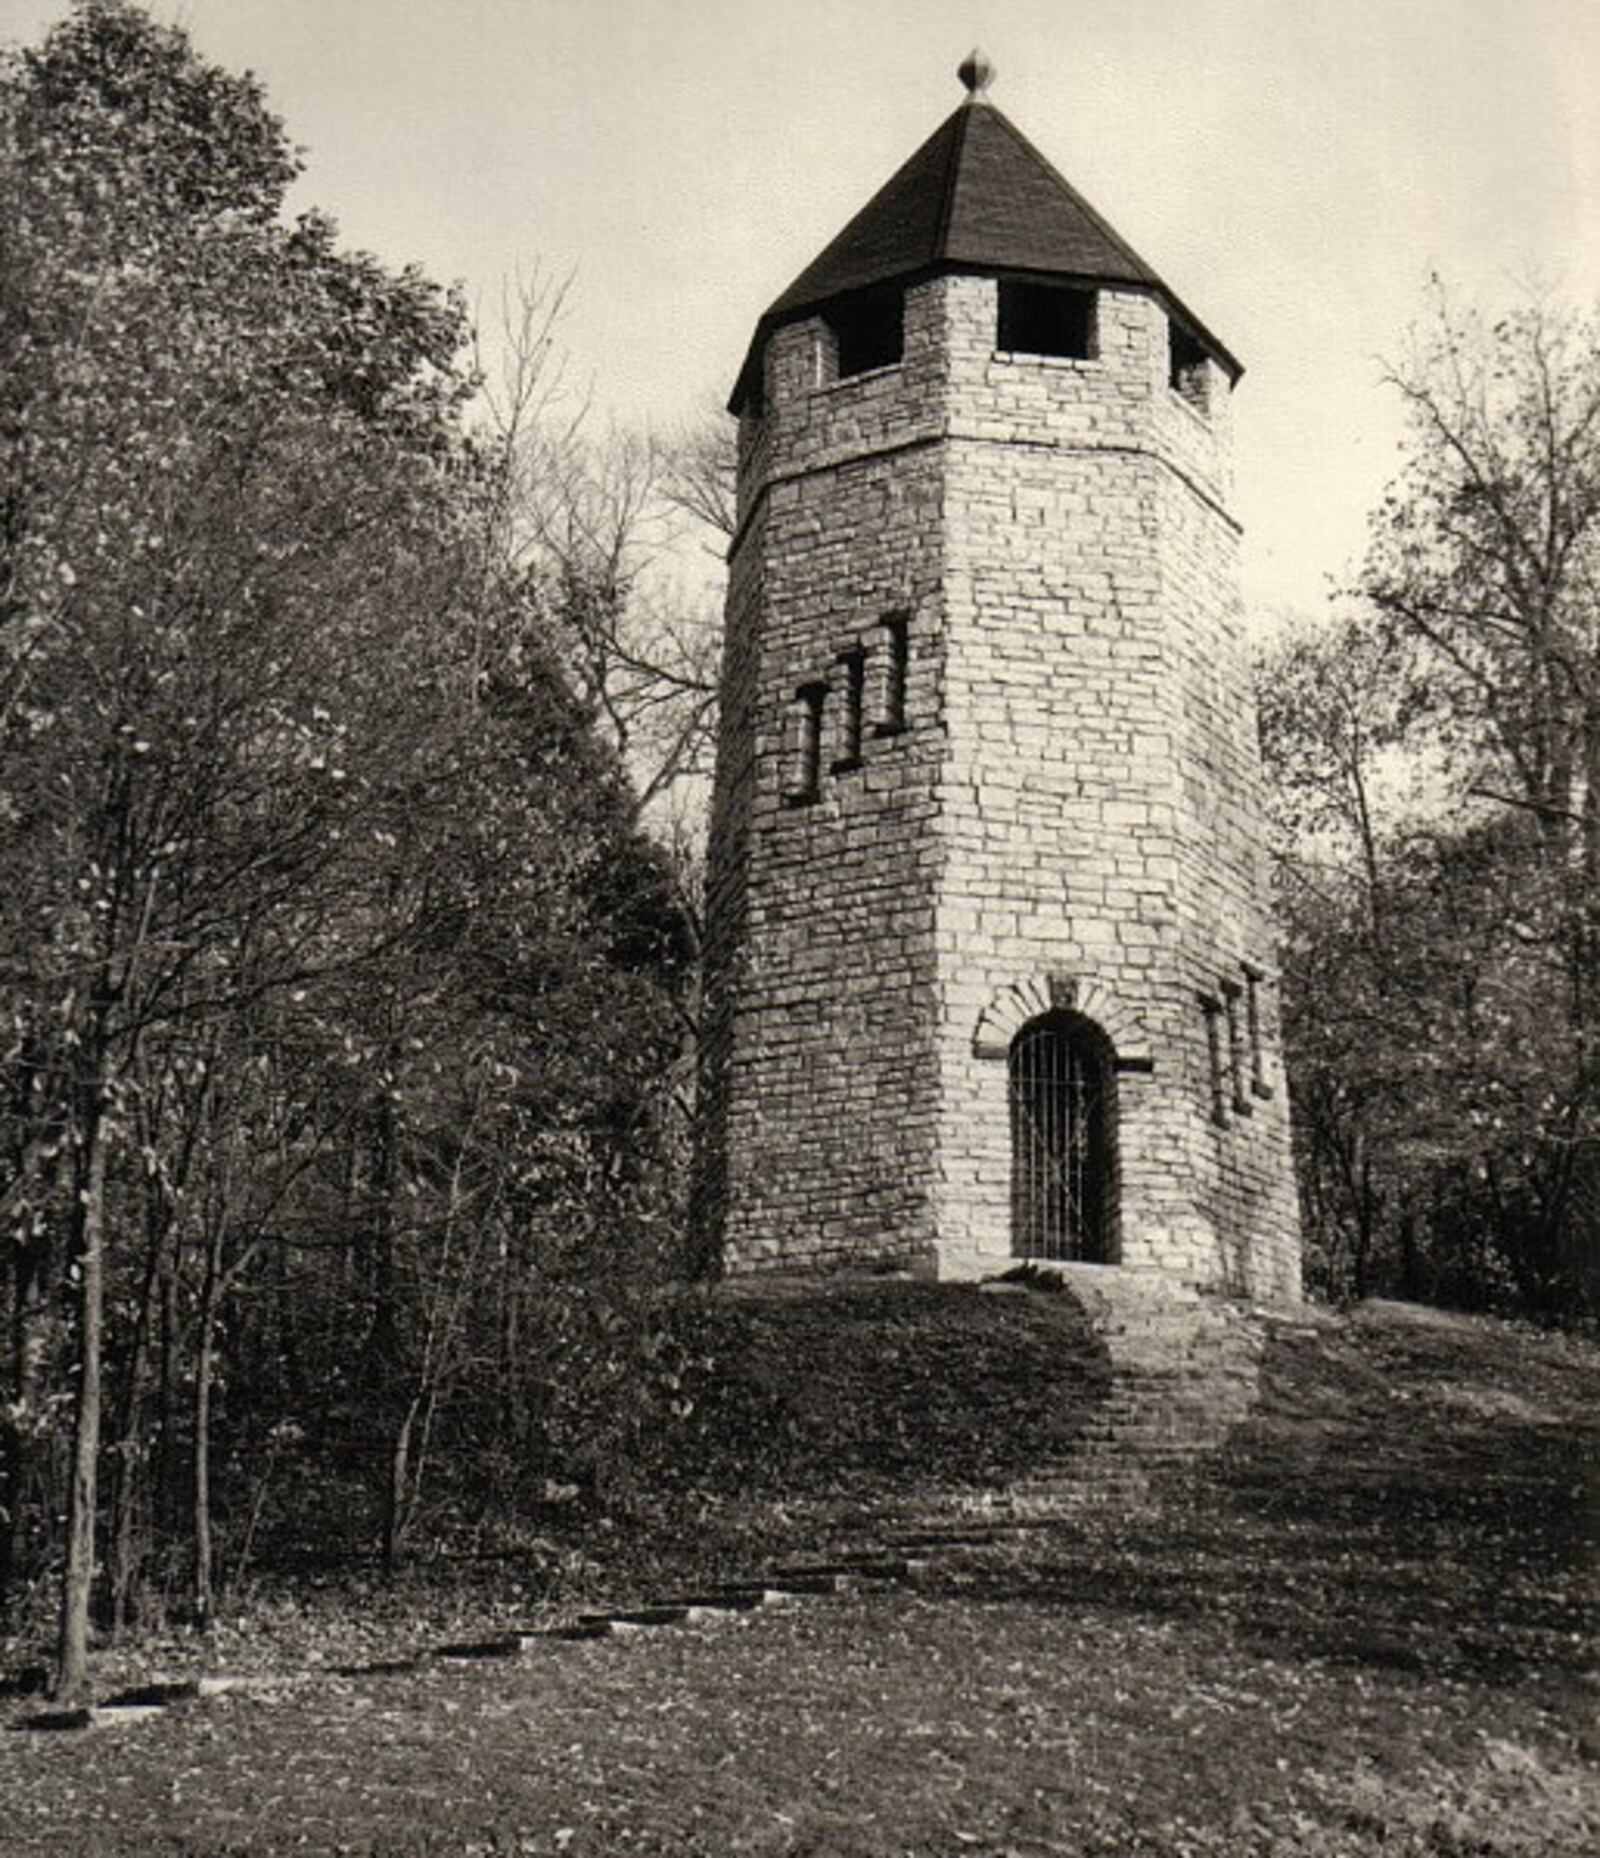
(337, 986)
(1436, 762)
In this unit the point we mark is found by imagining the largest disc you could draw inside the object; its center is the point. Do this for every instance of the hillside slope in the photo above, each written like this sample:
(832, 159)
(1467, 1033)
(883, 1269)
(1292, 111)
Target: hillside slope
(1364, 1625)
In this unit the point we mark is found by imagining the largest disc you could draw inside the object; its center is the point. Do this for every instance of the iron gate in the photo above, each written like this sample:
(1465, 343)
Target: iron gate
(1061, 1148)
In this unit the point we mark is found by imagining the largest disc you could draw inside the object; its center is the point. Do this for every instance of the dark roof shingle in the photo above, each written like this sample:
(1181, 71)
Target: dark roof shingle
(977, 195)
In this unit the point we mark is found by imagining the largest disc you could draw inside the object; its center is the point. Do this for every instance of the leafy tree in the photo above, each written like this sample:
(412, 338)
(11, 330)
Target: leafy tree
(332, 954)
(212, 437)
(1437, 769)
(1485, 562)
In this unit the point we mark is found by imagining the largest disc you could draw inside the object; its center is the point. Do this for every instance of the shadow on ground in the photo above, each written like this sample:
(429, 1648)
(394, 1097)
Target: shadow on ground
(1413, 1492)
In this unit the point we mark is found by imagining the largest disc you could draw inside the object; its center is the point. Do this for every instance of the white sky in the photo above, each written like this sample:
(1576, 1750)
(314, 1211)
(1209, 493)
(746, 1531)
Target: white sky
(1293, 169)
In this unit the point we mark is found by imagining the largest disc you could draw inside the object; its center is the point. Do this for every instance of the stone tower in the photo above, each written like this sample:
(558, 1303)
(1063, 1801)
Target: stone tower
(991, 964)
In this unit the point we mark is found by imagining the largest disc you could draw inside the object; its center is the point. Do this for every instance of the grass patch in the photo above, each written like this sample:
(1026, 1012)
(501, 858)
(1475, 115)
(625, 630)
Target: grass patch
(863, 1388)
(1364, 1628)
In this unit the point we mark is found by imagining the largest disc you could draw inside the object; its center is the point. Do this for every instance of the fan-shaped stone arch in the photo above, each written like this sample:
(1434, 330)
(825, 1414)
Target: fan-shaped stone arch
(1011, 1008)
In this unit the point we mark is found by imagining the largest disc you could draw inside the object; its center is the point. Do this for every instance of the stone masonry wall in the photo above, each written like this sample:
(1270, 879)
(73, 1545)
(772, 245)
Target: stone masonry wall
(821, 1087)
(1058, 816)
(1069, 815)
(1100, 807)
(1237, 1100)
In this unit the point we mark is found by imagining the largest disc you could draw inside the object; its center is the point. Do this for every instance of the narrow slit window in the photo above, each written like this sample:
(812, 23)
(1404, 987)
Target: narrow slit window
(1231, 993)
(805, 745)
(1212, 1009)
(1046, 319)
(891, 659)
(1187, 370)
(853, 675)
(1253, 977)
(868, 331)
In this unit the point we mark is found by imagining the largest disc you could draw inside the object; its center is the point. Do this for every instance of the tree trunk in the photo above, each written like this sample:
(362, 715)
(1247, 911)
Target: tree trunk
(72, 1656)
(1411, 1287)
(165, 1501)
(385, 1324)
(296, 1384)
(1588, 927)
(125, 1495)
(204, 1375)
(131, 1429)
(42, 1174)
(397, 1495)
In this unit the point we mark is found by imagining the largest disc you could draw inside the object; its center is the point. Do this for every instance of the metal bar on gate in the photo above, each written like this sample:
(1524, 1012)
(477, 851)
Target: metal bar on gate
(1058, 1146)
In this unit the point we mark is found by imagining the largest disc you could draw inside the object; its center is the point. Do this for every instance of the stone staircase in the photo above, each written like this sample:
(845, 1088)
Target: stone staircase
(1185, 1372)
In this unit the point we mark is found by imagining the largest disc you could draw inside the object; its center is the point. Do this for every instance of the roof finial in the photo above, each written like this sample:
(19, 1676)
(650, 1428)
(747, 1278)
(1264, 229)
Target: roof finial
(977, 74)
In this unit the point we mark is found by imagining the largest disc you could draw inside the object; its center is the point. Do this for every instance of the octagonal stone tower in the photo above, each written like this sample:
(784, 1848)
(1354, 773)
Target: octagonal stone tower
(990, 955)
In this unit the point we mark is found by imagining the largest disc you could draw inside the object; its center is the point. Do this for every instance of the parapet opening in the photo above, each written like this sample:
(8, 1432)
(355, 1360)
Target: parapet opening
(1047, 319)
(1187, 373)
(868, 331)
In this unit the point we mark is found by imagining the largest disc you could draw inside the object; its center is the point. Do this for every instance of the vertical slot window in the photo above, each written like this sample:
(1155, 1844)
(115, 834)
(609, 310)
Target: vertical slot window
(803, 780)
(1253, 977)
(1231, 997)
(1212, 1009)
(891, 661)
(853, 679)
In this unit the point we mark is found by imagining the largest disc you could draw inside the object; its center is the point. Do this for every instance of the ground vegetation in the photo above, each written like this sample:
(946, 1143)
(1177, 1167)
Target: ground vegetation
(1365, 1627)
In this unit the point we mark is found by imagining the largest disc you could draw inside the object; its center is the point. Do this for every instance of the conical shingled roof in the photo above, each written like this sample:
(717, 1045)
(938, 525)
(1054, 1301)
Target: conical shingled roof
(977, 196)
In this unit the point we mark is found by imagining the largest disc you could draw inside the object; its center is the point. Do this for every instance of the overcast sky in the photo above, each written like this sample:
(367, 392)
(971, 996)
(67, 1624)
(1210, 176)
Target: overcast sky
(1294, 169)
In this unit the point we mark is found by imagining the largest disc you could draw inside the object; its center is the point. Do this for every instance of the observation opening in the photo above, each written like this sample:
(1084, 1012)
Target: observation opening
(868, 330)
(1046, 319)
(1186, 367)
(1063, 1141)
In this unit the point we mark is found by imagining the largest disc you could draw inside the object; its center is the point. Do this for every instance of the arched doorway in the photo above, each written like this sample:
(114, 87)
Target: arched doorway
(1063, 1140)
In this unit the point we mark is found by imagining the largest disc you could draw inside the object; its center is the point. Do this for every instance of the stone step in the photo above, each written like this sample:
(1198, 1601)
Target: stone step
(937, 1542)
(863, 1568)
(48, 1721)
(122, 1715)
(636, 1618)
(1185, 1373)
(153, 1696)
(502, 1645)
(724, 1600)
